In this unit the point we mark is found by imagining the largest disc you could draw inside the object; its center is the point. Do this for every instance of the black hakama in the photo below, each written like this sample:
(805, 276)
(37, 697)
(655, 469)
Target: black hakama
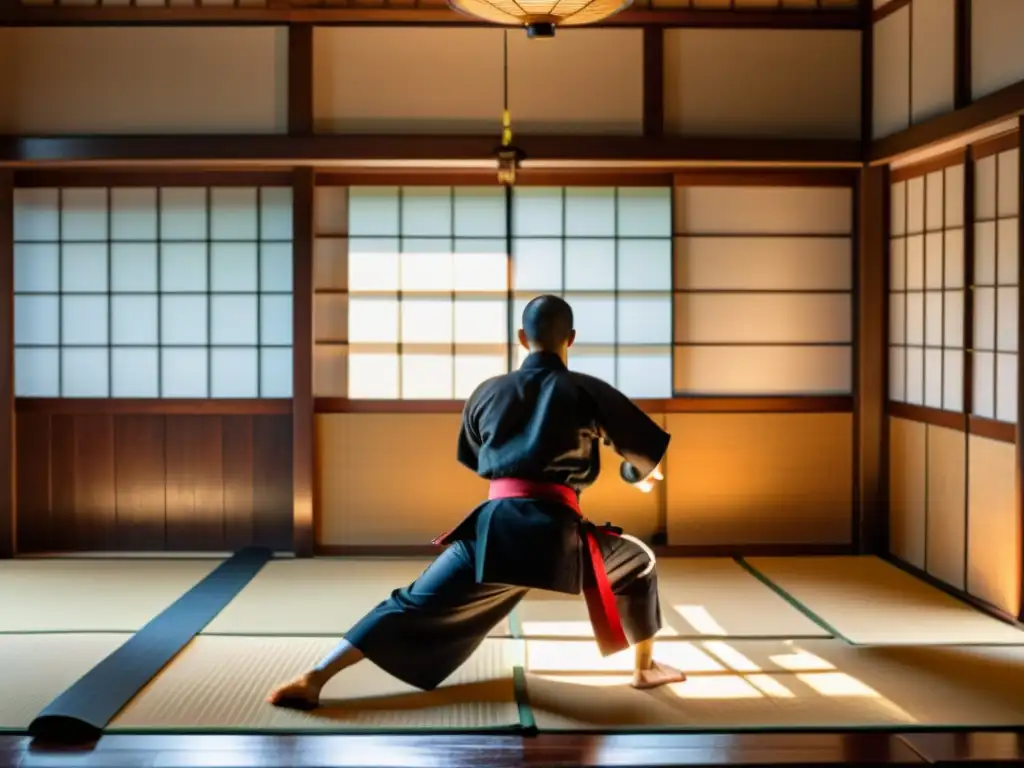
(543, 425)
(423, 632)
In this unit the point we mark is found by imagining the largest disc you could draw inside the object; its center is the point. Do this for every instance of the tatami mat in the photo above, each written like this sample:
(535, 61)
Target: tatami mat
(35, 669)
(319, 596)
(221, 683)
(90, 595)
(764, 685)
(700, 597)
(869, 601)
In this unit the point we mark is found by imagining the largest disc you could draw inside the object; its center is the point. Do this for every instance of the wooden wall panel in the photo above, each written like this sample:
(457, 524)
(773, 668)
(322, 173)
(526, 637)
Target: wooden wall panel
(908, 490)
(423, 80)
(391, 479)
(138, 80)
(932, 62)
(583, 81)
(730, 479)
(738, 479)
(776, 83)
(891, 74)
(140, 482)
(993, 524)
(997, 56)
(946, 490)
(407, 80)
(358, 456)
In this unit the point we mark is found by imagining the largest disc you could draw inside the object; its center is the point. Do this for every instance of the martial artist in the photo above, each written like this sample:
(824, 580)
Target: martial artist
(535, 435)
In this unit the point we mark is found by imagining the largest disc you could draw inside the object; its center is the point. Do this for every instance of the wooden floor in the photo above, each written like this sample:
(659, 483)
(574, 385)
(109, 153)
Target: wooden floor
(510, 752)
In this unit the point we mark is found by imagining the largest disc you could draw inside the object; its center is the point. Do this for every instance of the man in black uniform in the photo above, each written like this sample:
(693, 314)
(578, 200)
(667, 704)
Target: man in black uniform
(535, 434)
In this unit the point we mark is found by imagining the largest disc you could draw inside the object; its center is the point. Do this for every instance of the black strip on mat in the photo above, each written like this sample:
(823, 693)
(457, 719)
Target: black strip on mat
(82, 712)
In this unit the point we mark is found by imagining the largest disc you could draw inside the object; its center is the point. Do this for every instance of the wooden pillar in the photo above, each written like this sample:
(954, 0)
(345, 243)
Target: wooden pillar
(300, 80)
(303, 520)
(654, 82)
(870, 433)
(8, 507)
(1019, 463)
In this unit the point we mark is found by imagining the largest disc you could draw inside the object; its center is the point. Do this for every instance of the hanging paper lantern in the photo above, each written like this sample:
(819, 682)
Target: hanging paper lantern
(540, 17)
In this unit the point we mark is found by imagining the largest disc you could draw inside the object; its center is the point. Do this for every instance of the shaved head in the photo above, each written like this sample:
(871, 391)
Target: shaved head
(548, 323)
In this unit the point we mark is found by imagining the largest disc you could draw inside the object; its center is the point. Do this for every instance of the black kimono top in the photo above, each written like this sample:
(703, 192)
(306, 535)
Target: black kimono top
(544, 423)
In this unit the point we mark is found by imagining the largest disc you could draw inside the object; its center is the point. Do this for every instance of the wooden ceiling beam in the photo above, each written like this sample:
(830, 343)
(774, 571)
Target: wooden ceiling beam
(262, 150)
(12, 14)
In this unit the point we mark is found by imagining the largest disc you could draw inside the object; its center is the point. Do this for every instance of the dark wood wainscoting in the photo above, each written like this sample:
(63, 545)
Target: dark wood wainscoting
(133, 481)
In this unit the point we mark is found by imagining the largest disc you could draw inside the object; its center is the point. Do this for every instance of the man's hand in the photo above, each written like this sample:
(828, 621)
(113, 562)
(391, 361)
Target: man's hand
(648, 482)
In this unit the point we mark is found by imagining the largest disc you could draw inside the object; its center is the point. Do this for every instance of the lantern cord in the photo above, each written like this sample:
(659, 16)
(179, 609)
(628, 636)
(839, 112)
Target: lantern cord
(506, 116)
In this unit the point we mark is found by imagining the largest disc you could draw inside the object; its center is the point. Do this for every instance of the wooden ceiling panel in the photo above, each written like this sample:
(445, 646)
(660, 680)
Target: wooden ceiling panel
(786, 14)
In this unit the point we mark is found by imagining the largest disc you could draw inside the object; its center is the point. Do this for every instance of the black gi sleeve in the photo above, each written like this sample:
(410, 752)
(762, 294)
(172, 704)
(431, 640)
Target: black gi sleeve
(629, 431)
(468, 449)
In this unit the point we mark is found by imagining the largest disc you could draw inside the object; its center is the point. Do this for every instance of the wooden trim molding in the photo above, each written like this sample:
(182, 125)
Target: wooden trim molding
(932, 164)
(8, 489)
(303, 434)
(1004, 142)
(487, 177)
(838, 404)
(155, 406)
(149, 177)
(339, 15)
(767, 177)
(991, 429)
(257, 150)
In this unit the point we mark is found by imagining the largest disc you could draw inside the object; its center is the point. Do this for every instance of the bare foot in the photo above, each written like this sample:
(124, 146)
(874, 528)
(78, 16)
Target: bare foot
(300, 693)
(656, 675)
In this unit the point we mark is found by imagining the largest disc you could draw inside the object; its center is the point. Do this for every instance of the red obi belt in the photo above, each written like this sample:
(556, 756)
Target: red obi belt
(604, 614)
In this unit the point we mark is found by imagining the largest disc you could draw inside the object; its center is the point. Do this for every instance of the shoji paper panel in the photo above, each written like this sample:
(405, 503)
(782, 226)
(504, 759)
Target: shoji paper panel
(891, 74)
(997, 56)
(932, 61)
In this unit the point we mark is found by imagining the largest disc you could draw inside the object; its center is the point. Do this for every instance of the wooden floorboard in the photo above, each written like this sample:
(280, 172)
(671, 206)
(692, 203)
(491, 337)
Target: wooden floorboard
(954, 748)
(552, 751)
